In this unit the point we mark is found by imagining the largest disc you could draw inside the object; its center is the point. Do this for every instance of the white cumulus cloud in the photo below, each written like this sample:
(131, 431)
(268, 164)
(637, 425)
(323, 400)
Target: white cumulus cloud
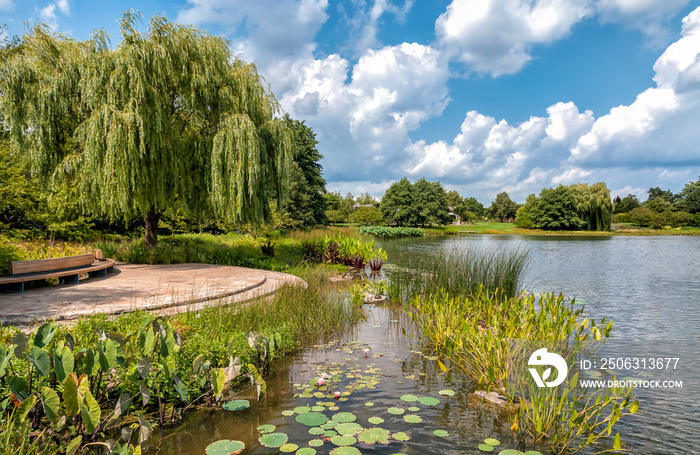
(496, 36)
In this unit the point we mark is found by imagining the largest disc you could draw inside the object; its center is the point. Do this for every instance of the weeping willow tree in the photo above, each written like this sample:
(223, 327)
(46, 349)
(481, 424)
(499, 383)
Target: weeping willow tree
(167, 118)
(594, 205)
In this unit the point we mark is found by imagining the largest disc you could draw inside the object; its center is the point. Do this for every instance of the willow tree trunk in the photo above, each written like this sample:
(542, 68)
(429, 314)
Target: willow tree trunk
(151, 238)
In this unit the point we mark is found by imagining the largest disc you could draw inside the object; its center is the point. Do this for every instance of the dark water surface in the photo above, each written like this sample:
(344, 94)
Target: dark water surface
(648, 285)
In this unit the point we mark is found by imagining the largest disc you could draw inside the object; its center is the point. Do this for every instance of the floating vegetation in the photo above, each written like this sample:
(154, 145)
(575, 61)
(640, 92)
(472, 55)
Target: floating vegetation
(347, 450)
(266, 428)
(374, 435)
(441, 433)
(428, 401)
(344, 417)
(343, 440)
(492, 442)
(409, 398)
(287, 448)
(447, 392)
(400, 436)
(412, 418)
(413, 409)
(312, 419)
(273, 439)
(396, 411)
(236, 405)
(225, 447)
(375, 420)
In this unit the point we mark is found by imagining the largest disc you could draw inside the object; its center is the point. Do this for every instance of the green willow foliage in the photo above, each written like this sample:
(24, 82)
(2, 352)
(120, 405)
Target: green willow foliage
(167, 118)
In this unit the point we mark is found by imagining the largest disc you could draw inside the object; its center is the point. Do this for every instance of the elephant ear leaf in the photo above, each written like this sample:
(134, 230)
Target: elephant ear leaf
(6, 353)
(74, 445)
(25, 407)
(90, 412)
(74, 391)
(51, 403)
(64, 362)
(44, 334)
(41, 360)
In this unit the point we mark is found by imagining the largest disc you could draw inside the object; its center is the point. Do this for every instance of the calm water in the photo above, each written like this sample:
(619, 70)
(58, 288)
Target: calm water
(649, 286)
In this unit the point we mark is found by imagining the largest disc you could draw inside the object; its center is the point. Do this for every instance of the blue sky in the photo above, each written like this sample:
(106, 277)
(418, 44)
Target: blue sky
(483, 95)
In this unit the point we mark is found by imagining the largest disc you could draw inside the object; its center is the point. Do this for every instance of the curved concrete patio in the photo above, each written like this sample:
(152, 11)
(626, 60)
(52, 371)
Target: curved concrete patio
(163, 288)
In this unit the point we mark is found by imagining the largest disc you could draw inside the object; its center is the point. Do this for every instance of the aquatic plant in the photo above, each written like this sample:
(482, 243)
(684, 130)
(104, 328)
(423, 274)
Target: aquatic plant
(457, 272)
(386, 232)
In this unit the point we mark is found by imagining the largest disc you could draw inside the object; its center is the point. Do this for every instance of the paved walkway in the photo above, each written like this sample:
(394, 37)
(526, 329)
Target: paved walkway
(165, 288)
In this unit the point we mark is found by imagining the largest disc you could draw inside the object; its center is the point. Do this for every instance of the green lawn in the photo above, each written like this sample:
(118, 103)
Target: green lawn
(482, 227)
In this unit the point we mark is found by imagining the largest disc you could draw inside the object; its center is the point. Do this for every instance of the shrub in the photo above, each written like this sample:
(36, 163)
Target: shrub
(8, 252)
(386, 232)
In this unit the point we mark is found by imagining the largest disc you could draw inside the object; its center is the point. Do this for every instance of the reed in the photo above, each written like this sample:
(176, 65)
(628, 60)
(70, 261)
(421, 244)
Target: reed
(458, 273)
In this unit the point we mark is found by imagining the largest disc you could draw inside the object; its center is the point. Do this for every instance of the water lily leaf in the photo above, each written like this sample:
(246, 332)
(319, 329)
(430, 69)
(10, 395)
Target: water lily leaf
(372, 435)
(273, 439)
(400, 436)
(369, 404)
(414, 409)
(343, 440)
(330, 433)
(318, 408)
(329, 425)
(346, 450)
(510, 452)
(485, 448)
(447, 392)
(288, 413)
(312, 419)
(409, 398)
(348, 428)
(375, 420)
(289, 447)
(315, 443)
(344, 417)
(307, 451)
(492, 442)
(225, 447)
(236, 405)
(396, 411)
(532, 452)
(316, 431)
(428, 401)
(441, 433)
(412, 418)
(302, 409)
(266, 428)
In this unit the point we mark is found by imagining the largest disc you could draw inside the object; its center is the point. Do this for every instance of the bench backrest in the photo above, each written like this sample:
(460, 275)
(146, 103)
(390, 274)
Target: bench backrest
(51, 264)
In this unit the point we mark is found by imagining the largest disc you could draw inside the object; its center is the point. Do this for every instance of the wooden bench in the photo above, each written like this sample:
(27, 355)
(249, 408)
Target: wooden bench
(66, 269)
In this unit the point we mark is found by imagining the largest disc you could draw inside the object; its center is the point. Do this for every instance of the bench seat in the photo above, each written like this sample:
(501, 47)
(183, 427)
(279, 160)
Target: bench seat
(66, 269)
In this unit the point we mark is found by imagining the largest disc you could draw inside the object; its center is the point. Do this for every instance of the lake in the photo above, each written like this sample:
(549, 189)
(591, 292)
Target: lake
(648, 285)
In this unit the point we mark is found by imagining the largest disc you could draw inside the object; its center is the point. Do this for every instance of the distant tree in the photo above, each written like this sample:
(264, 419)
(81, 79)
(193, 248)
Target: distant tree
(657, 192)
(645, 217)
(333, 200)
(430, 203)
(369, 216)
(365, 199)
(471, 204)
(659, 205)
(526, 216)
(502, 208)
(626, 204)
(307, 158)
(689, 197)
(594, 205)
(346, 204)
(167, 118)
(557, 209)
(336, 216)
(454, 199)
(397, 205)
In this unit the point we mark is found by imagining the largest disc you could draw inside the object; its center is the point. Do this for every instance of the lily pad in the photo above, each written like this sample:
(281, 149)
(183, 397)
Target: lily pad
(492, 442)
(344, 417)
(329, 425)
(400, 436)
(348, 428)
(375, 420)
(414, 409)
(316, 431)
(315, 443)
(346, 450)
(441, 433)
(289, 447)
(330, 433)
(372, 435)
(236, 405)
(532, 452)
(447, 392)
(266, 428)
(306, 451)
(288, 413)
(485, 448)
(510, 452)
(428, 401)
(396, 411)
(318, 408)
(409, 398)
(273, 439)
(225, 447)
(369, 404)
(343, 440)
(302, 409)
(412, 418)
(312, 419)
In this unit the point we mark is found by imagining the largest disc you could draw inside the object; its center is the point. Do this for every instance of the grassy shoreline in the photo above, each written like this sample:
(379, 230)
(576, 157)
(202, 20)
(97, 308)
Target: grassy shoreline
(496, 228)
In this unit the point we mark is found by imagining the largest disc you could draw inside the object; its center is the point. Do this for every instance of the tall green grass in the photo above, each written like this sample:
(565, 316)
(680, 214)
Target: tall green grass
(457, 272)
